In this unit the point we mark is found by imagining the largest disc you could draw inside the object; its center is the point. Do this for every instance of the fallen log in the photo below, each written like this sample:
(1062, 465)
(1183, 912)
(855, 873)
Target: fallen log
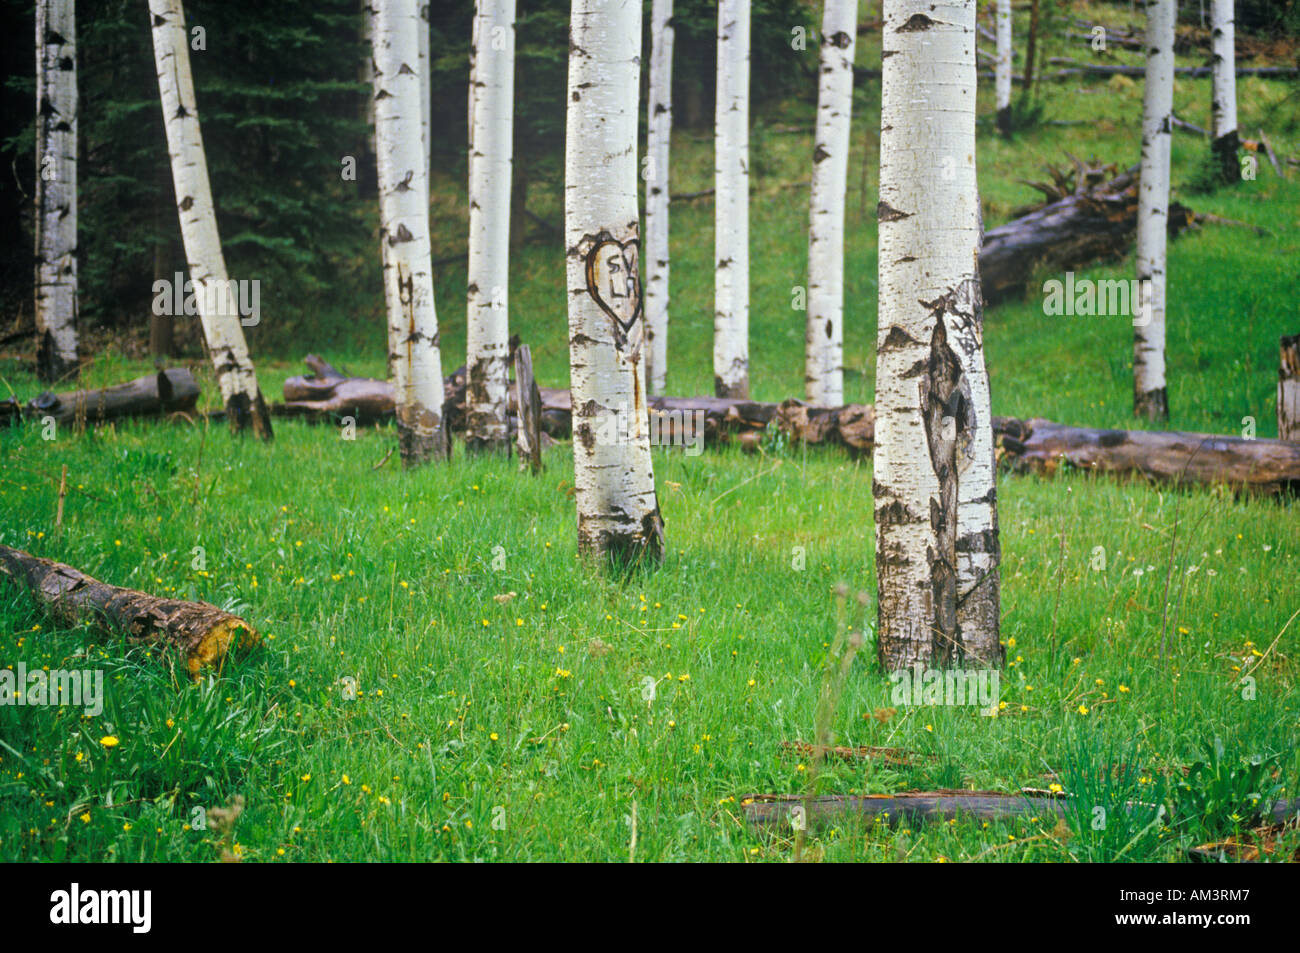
(329, 394)
(200, 633)
(170, 391)
(1264, 466)
(917, 806)
(1095, 222)
(1075, 67)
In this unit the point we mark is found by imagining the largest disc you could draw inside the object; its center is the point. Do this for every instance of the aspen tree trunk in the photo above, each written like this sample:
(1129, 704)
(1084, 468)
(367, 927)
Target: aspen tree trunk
(222, 328)
(1149, 395)
(824, 329)
(936, 525)
(56, 188)
(414, 359)
(1031, 44)
(1002, 70)
(618, 510)
(426, 92)
(658, 137)
(1224, 107)
(731, 205)
(490, 177)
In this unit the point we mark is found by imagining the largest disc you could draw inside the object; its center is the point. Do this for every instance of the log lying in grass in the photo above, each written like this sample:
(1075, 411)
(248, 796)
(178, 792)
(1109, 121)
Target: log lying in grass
(919, 806)
(171, 391)
(1095, 222)
(328, 394)
(200, 633)
(1266, 466)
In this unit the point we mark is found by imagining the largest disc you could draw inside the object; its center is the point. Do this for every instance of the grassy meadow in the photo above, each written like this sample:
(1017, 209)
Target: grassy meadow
(443, 679)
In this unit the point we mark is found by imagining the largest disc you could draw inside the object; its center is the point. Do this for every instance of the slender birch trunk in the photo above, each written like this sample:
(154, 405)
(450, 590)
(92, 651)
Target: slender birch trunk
(490, 178)
(426, 92)
(1224, 107)
(56, 188)
(414, 359)
(731, 203)
(1149, 395)
(824, 330)
(1031, 44)
(935, 502)
(1002, 68)
(658, 138)
(222, 327)
(618, 510)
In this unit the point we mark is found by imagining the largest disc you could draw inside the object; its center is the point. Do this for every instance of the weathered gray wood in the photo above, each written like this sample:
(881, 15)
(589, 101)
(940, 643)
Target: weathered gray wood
(166, 392)
(529, 403)
(913, 807)
(1094, 223)
(1264, 466)
(1288, 390)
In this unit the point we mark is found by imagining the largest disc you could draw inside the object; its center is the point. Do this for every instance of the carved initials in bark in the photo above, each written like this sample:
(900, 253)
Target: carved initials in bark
(614, 284)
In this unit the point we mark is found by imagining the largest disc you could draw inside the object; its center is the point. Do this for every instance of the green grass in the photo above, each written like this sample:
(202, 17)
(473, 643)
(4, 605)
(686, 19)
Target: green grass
(471, 711)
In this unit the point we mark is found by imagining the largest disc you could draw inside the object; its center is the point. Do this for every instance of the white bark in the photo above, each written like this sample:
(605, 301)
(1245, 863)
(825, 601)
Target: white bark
(936, 524)
(488, 325)
(618, 510)
(56, 188)
(1225, 142)
(222, 329)
(1224, 56)
(1149, 394)
(426, 91)
(414, 360)
(824, 331)
(1002, 68)
(658, 137)
(731, 203)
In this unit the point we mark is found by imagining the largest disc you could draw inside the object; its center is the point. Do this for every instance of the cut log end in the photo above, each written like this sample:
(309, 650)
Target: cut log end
(201, 634)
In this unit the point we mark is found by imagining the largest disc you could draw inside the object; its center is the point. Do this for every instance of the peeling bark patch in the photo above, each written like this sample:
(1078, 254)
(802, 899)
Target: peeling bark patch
(944, 416)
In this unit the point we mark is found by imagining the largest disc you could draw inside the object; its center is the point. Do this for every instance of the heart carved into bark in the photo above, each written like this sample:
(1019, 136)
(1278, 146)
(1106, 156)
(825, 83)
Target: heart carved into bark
(615, 285)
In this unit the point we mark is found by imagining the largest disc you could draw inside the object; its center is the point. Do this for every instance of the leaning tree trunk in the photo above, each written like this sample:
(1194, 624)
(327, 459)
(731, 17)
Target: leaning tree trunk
(222, 329)
(933, 480)
(1150, 398)
(824, 326)
(1224, 107)
(618, 510)
(1002, 68)
(731, 207)
(488, 324)
(414, 359)
(56, 188)
(658, 136)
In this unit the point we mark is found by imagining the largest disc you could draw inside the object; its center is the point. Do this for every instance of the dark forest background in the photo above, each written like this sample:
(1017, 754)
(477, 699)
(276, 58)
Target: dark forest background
(281, 101)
